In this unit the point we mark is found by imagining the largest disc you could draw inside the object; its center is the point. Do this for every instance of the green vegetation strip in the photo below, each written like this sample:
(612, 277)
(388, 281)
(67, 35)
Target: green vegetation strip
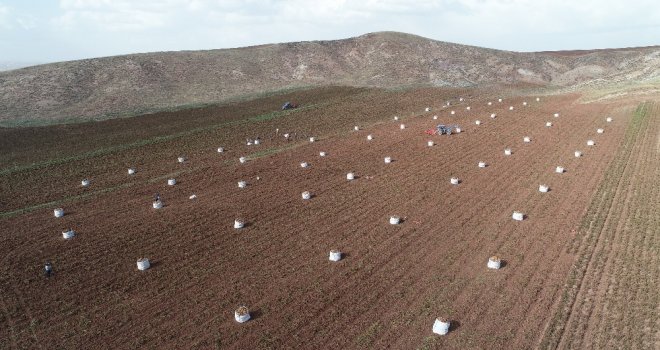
(22, 123)
(150, 141)
(593, 224)
(59, 202)
(56, 203)
(273, 150)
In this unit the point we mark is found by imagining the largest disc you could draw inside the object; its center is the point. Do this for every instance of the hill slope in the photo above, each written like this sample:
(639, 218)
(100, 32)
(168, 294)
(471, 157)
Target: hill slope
(143, 82)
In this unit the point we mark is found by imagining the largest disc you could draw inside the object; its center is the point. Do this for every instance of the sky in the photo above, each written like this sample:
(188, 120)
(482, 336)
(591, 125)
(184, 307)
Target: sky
(40, 31)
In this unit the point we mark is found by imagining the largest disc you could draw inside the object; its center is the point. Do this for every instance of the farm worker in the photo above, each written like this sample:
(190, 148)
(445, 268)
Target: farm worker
(48, 269)
(156, 197)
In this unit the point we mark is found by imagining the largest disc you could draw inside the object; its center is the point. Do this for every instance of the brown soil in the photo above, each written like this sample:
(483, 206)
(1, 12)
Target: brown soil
(393, 280)
(611, 298)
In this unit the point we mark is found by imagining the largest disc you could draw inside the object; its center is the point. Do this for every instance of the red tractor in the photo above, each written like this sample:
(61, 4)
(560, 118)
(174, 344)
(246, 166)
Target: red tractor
(442, 129)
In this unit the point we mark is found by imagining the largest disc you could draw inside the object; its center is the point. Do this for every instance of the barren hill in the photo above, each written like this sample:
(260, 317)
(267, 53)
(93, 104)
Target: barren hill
(131, 84)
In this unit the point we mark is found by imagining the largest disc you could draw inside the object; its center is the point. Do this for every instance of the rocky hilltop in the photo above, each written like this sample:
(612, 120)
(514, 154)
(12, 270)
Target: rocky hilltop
(137, 83)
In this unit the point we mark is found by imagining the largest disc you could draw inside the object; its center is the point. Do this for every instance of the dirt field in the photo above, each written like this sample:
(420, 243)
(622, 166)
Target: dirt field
(612, 300)
(393, 280)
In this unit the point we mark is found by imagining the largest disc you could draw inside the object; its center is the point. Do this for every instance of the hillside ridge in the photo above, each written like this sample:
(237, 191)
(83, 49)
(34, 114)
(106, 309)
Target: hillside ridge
(136, 83)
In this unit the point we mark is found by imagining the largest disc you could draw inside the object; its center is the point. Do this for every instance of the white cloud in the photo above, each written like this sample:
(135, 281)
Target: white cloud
(501, 22)
(117, 15)
(433, 16)
(125, 26)
(27, 22)
(4, 17)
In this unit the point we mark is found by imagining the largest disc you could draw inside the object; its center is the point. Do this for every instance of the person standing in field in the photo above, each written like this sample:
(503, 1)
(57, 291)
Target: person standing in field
(48, 269)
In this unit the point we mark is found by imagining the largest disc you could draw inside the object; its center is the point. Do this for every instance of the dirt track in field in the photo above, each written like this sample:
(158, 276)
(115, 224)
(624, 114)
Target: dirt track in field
(615, 279)
(393, 281)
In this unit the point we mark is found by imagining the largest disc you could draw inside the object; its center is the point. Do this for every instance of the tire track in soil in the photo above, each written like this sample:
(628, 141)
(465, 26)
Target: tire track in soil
(636, 222)
(632, 335)
(503, 221)
(98, 168)
(407, 252)
(613, 256)
(601, 251)
(531, 209)
(389, 166)
(538, 249)
(345, 185)
(532, 190)
(555, 260)
(460, 218)
(583, 251)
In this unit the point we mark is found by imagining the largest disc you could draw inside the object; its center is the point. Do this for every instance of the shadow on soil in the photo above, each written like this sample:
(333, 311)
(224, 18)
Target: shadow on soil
(454, 325)
(256, 314)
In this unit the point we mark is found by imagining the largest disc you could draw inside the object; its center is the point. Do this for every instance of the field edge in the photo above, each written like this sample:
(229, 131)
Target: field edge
(592, 227)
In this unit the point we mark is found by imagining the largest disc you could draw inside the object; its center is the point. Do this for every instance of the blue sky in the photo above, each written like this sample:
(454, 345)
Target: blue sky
(51, 30)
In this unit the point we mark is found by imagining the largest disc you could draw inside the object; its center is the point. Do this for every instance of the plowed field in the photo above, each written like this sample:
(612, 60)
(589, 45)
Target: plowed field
(393, 280)
(611, 300)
